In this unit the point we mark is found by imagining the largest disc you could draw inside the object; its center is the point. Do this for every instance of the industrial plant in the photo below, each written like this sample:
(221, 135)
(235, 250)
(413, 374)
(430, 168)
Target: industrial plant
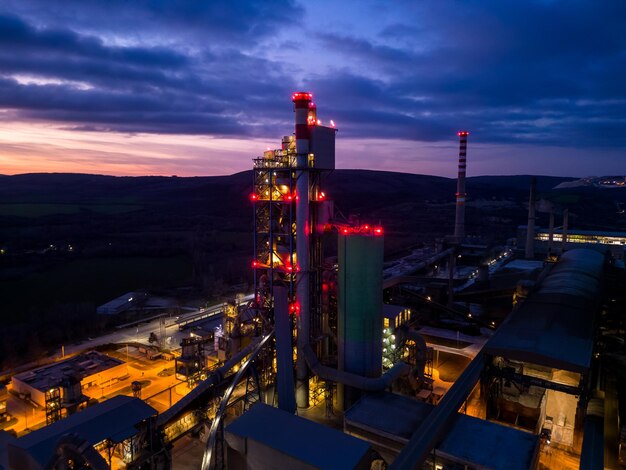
(469, 355)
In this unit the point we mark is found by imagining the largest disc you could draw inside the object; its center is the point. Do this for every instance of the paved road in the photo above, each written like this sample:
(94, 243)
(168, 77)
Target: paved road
(140, 332)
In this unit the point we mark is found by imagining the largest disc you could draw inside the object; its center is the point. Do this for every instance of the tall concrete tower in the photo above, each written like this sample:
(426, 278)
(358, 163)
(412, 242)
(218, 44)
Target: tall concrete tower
(302, 101)
(459, 221)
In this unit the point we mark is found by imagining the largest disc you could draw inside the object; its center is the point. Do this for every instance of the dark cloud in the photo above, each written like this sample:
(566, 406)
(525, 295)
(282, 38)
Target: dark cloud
(241, 21)
(78, 79)
(544, 72)
(537, 72)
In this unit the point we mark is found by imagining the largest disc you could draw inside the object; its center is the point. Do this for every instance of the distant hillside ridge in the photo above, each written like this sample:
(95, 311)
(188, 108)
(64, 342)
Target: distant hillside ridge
(77, 187)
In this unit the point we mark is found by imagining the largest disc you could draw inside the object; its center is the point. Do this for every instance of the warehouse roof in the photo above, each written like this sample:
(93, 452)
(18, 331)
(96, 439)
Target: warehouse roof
(484, 444)
(388, 414)
(115, 419)
(80, 366)
(554, 326)
(470, 441)
(309, 442)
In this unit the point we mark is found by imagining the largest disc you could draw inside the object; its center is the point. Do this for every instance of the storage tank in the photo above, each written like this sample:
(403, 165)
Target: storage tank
(360, 300)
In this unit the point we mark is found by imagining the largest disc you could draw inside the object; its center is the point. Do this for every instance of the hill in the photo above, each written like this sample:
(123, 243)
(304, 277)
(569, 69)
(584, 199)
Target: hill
(73, 241)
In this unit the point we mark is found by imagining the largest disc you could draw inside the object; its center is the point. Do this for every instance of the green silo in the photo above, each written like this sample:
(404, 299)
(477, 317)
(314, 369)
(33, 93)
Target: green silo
(360, 300)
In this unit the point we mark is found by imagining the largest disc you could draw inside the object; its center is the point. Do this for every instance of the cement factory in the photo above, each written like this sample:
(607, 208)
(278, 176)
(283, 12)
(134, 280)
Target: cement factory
(466, 356)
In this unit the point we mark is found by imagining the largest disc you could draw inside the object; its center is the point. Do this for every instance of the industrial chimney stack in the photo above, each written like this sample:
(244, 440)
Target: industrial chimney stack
(459, 223)
(530, 227)
(302, 102)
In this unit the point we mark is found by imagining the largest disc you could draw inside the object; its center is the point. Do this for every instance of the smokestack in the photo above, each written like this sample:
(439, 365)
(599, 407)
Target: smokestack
(530, 227)
(459, 222)
(565, 226)
(302, 101)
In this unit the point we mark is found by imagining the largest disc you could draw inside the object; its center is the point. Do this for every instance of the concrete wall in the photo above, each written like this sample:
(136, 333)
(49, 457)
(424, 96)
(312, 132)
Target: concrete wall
(562, 408)
(22, 387)
(104, 378)
(248, 454)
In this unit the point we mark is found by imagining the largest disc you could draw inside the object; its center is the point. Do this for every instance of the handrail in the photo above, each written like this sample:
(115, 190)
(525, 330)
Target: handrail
(217, 421)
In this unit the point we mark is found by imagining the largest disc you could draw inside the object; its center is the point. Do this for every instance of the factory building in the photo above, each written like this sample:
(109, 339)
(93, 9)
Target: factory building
(535, 372)
(59, 387)
(121, 304)
(111, 434)
(546, 240)
(539, 368)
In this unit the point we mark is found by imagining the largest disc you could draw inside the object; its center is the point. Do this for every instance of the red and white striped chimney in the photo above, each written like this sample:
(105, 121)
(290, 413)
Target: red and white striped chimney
(459, 222)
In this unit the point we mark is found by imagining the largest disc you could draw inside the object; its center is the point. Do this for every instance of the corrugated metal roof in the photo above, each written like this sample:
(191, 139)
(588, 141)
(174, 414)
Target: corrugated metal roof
(554, 327)
(471, 440)
(485, 444)
(113, 419)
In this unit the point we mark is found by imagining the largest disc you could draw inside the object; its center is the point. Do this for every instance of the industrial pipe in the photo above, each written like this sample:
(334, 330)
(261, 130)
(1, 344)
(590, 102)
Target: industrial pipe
(207, 457)
(564, 231)
(215, 378)
(551, 232)
(592, 455)
(367, 384)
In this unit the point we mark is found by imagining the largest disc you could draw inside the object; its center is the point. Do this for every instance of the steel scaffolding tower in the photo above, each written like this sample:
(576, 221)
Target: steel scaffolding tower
(290, 216)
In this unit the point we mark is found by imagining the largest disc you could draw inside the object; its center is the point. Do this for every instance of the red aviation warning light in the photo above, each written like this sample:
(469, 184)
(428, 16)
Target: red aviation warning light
(254, 197)
(462, 133)
(361, 230)
(302, 96)
(294, 308)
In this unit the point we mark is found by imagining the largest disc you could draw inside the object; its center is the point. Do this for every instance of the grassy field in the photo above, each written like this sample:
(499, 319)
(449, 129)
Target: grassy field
(39, 210)
(91, 280)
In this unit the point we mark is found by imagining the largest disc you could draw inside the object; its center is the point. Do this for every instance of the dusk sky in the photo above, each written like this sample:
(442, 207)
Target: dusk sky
(201, 87)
